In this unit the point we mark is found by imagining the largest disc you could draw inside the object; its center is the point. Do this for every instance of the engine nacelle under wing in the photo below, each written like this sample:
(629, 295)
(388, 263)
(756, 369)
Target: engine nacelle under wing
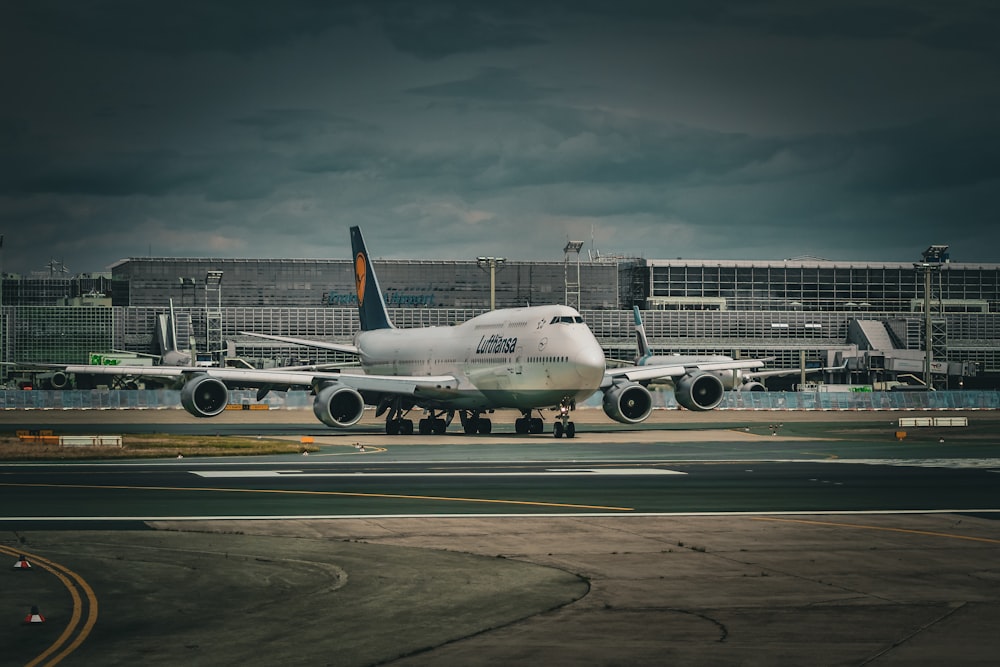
(57, 380)
(204, 396)
(339, 406)
(628, 403)
(699, 392)
(752, 385)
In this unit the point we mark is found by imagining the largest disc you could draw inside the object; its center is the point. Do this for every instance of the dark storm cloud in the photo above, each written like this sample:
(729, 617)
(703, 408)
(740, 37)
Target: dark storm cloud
(713, 129)
(112, 174)
(972, 31)
(218, 177)
(966, 26)
(926, 156)
(182, 26)
(868, 22)
(300, 126)
(490, 84)
(437, 30)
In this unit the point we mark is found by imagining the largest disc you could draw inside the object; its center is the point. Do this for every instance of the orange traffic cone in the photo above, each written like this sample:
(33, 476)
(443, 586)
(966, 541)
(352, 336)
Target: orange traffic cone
(34, 616)
(22, 563)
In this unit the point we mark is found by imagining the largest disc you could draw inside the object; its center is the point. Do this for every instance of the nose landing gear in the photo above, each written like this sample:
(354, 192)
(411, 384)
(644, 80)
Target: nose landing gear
(563, 426)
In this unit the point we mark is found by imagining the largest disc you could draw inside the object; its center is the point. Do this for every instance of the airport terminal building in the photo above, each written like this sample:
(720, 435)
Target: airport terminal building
(873, 318)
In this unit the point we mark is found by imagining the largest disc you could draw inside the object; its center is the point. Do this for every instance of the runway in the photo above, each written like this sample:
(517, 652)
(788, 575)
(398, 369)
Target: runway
(715, 546)
(329, 489)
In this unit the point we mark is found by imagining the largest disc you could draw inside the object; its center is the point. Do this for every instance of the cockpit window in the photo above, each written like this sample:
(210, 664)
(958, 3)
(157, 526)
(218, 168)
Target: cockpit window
(567, 319)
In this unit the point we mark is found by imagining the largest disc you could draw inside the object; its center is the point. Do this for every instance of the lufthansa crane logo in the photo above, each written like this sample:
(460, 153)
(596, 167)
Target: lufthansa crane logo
(360, 277)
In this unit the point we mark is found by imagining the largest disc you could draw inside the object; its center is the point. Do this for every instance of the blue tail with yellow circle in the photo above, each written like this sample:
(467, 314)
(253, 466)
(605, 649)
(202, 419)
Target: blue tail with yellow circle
(371, 303)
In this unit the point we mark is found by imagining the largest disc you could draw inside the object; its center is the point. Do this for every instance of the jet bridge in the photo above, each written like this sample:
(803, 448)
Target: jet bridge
(870, 335)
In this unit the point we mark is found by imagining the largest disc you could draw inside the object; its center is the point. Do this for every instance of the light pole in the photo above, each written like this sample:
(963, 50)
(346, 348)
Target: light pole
(3, 341)
(213, 316)
(933, 258)
(572, 287)
(927, 268)
(493, 263)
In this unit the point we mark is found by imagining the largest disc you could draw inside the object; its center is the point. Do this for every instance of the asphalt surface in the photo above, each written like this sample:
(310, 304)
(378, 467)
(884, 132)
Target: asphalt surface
(319, 488)
(614, 589)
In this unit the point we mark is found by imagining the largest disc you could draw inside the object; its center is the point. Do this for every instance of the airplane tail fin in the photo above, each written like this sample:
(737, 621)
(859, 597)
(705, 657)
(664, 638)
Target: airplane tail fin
(171, 342)
(642, 344)
(371, 304)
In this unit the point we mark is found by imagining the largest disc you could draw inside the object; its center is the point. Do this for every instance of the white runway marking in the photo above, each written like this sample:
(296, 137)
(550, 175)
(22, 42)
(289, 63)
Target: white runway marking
(575, 515)
(551, 472)
(923, 463)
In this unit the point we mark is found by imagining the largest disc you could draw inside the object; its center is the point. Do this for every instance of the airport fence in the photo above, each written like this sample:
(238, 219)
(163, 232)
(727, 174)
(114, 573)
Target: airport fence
(169, 399)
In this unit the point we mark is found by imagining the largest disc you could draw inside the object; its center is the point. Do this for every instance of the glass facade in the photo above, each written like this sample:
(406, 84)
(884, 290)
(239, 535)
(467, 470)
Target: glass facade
(315, 283)
(819, 286)
(776, 310)
(57, 334)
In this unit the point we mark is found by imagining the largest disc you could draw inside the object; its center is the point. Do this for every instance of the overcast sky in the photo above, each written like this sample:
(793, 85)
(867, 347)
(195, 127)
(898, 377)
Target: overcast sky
(709, 129)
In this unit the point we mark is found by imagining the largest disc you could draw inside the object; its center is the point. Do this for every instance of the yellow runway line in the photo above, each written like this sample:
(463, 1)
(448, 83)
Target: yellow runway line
(325, 493)
(72, 581)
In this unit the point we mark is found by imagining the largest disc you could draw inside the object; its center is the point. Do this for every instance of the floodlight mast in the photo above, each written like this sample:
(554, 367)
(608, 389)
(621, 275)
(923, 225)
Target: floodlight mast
(572, 287)
(3, 341)
(933, 258)
(213, 316)
(492, 263)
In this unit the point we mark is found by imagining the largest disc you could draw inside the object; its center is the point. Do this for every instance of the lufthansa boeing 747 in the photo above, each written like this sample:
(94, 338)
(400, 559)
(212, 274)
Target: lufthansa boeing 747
(530, 359)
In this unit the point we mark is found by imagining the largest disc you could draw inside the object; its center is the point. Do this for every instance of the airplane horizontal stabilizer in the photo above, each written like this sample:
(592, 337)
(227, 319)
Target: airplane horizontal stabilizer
(305, 342)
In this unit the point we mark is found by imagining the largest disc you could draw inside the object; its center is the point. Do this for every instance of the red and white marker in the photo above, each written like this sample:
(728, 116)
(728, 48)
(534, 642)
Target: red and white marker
(34, 616)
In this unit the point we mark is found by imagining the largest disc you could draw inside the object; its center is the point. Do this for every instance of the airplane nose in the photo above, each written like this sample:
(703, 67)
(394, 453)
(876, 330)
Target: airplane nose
(589, 361)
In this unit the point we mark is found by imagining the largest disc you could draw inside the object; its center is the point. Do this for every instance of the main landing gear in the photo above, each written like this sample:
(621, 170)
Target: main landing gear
(434, 424)
(474, 422)
(437, 422)
(528, 424)
(396, 422)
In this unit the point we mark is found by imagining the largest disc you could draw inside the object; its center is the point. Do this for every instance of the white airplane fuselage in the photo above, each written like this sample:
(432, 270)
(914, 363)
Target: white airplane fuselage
(521, 358)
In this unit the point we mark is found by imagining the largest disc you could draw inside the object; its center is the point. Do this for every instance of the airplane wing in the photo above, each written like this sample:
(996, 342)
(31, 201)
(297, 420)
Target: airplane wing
(671, 371)
(428, 386)
(793, 371)
(318, 344)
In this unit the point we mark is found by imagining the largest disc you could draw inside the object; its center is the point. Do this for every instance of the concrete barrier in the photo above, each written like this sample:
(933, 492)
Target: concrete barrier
(90, 441)
(932, 421)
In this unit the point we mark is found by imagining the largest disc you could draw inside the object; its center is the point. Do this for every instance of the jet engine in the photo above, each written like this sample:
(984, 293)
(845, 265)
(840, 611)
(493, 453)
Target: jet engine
(56, 380)
(701, 391)
(751, 386)
(60, 380)
(629, 403)
(204, 396)
(338, 406)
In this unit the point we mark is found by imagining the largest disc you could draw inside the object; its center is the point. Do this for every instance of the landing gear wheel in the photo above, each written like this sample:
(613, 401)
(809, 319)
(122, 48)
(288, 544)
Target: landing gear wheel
(485, 425)
(570, 430)
(557, 430)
